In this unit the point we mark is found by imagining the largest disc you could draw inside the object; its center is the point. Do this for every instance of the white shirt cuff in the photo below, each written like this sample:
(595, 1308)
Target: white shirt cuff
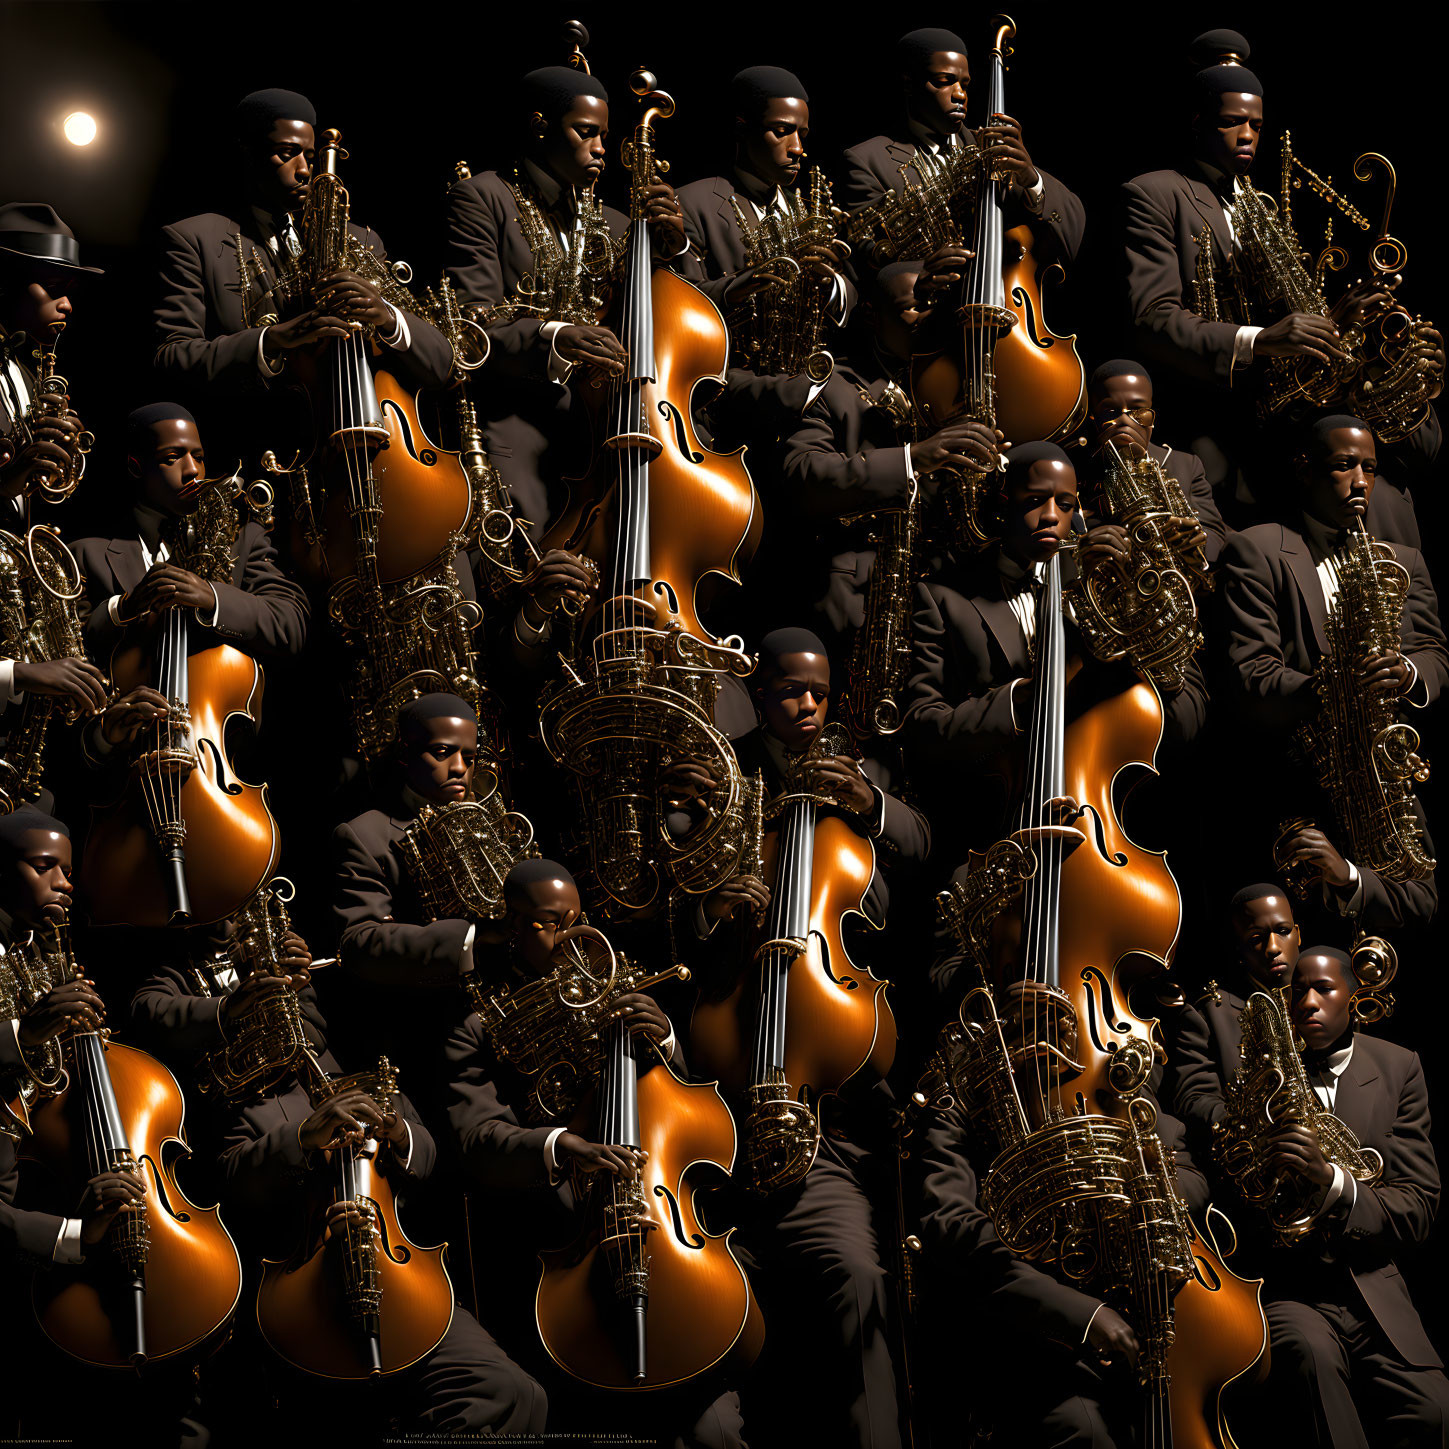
(113, 609)
(15, 1032)
(876, 827)
(910, 466)
(209, 618)
(1035, 194)
(1336, 1190)
(666, 1047)
(465, 960)
(68, 1245)
(675, 256)
(1011, 699)
(1086, 1332)
(400, 338)
(835, 304)
(1243, 345)
(1351, 904)
(558, 368)
(8, 692)
(406, 1158)
(267, 369)
(548, 1158)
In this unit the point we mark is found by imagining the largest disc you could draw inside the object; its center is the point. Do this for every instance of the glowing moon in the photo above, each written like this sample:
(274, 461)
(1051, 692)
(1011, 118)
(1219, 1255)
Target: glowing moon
(79, 128)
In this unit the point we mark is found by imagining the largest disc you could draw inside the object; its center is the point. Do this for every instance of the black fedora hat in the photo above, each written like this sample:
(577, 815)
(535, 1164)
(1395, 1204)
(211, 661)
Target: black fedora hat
(31, 231)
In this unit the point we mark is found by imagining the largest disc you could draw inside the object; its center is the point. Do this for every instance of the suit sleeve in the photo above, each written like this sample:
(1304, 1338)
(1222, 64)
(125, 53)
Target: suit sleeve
(500, 1152)
(904, 828)
(1423, 634)
(29, 1236)
(1269, 693)
(475, 263)
(938, 731)
(1185, 712)
(428, 361)
(862, 187)
(263, 1170)
(1062, 222)
(183, 350)
(268, 613)
(1396, 905)
(1399, 1209)
(180, 1023)
(1191, 1090)
(825, 482)
(375, 947)
(959, 1238)
(1200, 495)
(1167, 330)
(699, 264)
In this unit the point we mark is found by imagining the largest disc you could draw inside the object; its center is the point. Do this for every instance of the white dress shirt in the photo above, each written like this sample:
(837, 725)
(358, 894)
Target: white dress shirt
(1325, 1088)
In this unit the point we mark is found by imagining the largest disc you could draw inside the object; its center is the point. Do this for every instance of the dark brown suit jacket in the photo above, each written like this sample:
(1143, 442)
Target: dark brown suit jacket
(1187, 469)
(260, 611)
(1166, 212)
(887, 163)
(201, 339)
(1270, 626)
(537, 432)
(171, 1019)
(716, 243)
(25, 1235)
(969, 649)
(265, 1172)
(385, 939)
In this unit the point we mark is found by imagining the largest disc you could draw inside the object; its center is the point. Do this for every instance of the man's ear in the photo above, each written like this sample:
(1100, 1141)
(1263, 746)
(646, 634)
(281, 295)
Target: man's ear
(538, 124)
(133, 466)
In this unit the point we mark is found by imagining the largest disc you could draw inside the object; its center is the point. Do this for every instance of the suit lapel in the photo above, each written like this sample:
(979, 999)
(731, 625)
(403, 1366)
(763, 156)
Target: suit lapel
(1310, 588)
(1211, 210)
(997, 616)
(902, 153)
(1353, 1103)
(123, 556)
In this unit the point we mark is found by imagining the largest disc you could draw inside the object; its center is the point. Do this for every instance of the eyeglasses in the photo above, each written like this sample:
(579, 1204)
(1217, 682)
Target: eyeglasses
(1110, 414)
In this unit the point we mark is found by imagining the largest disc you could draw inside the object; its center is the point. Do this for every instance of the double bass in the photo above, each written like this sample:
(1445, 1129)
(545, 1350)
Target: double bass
(667, 516)
(808, 1020)
(626, 1308)
(366, 1301)
(1082, 1181)
(166, 1279)
(189, 841)
(997, 360)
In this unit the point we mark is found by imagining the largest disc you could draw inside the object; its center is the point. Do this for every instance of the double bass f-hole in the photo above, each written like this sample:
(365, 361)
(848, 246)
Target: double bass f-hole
(686, 1239)
(425, 455)
(847, 983)
(681, 436)
(1102, 1010)
(218, 771)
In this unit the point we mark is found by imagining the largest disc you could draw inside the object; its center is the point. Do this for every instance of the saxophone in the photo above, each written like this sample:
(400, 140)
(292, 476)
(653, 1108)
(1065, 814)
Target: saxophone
(28, 971)
(269, 1040)
(1271, 1088)
(923, 217)
(782, 329)
(502, 538)
(551, 1030)
(40, 587)
(1147, 612)
(880, 660)
(458, 856)
(573, 275)
(1365, 757)
(49, 403)
(1269, 261)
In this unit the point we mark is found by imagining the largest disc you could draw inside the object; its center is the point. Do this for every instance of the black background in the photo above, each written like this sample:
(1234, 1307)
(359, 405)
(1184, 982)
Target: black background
(1100, 92)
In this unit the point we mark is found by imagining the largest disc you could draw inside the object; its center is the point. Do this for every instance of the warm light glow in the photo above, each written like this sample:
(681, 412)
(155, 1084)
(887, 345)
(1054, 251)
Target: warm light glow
(79, 128)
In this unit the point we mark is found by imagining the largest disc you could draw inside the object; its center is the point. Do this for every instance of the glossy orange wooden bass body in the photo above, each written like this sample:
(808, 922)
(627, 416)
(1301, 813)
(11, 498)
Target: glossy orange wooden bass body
(303, 1302)
(120, 1103)
(230, 839)
(701, 1311)
(421, 491)
(1003, 364)
(1098, 914)
(667, 513)
(802, 1024)
(1221, 1335)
